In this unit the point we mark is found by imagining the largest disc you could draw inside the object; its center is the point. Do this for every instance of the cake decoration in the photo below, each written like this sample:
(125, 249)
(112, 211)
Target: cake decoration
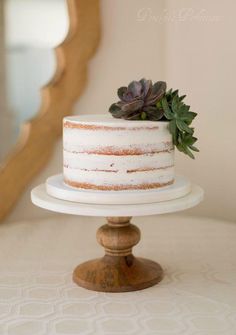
(143, 100)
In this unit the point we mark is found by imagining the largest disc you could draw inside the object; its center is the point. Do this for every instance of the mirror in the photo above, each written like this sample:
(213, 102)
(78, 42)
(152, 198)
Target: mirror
(27, 147)
(29, 32)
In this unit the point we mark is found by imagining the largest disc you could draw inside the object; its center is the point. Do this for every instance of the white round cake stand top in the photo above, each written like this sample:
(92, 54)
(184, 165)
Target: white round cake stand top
(41, 199)
(57, 189)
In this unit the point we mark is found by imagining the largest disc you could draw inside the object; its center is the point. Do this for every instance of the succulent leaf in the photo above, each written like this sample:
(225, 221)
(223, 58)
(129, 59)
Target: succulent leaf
(115, 110)
(176, 92)
(131, 106)
(193, 148)
(189, 139)
(143, 116)
(157, 93)
(175, 103)
(121, 91)
(188, 152)
(183, 127)
(167, 111)
(182, 97)
(146, 86)
(135, 88)
(159, 87)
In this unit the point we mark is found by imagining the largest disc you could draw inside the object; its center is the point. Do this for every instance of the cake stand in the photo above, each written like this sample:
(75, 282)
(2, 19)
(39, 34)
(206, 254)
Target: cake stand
(118, 270)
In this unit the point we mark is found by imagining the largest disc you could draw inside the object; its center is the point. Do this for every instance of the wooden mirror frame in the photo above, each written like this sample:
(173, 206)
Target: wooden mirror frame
(38, 136)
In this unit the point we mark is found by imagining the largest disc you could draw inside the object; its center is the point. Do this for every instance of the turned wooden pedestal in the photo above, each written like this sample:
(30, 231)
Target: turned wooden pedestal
(118, 270)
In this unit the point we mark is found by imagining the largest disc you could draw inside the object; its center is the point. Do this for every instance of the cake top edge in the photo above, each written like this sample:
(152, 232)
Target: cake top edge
(108, 120)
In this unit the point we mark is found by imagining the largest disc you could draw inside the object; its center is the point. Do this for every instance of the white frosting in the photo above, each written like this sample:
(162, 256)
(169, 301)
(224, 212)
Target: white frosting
(104, 151)
(102, 178)
(156, 137)
(109, 120)
(117, 163)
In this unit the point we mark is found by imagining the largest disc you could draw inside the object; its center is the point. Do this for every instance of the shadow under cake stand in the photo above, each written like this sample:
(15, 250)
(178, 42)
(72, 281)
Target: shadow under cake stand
(118, 270)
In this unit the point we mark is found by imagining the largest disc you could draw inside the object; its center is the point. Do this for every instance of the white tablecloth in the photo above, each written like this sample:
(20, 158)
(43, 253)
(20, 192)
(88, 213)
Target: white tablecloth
(196, 297)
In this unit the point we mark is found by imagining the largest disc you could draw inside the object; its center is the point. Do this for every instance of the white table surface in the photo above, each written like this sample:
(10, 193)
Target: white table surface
(196, 297)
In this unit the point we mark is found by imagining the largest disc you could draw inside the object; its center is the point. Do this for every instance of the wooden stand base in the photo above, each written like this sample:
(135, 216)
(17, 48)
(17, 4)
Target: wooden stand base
(118, 270)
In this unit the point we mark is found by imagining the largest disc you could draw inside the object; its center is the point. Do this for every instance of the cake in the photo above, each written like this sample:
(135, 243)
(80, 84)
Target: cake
(108, 154)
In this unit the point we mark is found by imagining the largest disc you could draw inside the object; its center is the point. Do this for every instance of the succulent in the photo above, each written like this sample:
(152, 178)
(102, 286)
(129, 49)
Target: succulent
(143, 100)
(139, 100)
(180, 117)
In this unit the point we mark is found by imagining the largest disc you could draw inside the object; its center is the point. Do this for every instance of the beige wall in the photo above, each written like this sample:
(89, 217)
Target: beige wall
(161, 40)
(201, 60)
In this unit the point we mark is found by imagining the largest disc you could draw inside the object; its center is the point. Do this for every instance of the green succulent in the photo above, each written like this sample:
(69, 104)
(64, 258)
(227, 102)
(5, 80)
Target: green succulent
(143, 100)
(180, 117)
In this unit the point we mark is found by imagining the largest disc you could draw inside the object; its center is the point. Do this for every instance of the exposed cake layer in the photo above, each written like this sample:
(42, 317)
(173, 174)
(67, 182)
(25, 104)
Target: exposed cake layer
(111, 179)
(101, 152)
(115, 187)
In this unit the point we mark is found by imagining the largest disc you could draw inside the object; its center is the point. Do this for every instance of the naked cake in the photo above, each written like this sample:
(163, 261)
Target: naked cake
(101, 152)
(132, 148)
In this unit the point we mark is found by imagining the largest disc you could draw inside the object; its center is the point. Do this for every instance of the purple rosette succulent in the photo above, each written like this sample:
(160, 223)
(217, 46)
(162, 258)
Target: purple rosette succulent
(139, 101)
